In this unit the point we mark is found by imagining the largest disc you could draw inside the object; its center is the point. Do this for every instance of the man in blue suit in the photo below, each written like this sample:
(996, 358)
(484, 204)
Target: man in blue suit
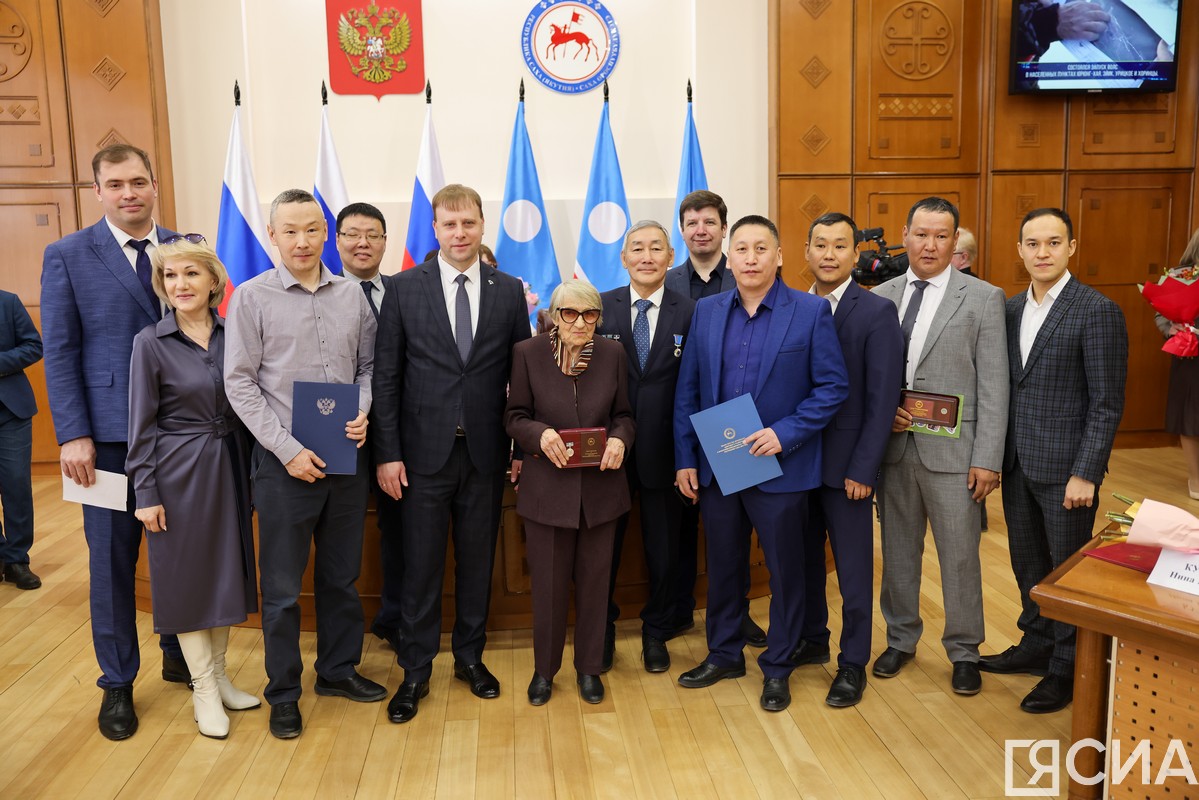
(780, 347)
(20, 347)
(96, 296)
(872, 344)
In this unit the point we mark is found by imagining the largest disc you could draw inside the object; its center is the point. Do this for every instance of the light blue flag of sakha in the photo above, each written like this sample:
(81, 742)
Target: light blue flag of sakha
(524, 247)
(605, 216)
(691, 178)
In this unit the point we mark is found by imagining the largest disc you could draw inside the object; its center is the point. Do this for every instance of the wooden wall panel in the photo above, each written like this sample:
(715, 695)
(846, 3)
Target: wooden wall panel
(918, 86)
(816, 87)
(45, 448)
(42, 215)
(884, 201)
(34, 138)
(1013, 196)
(1029, 131)
(802, 200)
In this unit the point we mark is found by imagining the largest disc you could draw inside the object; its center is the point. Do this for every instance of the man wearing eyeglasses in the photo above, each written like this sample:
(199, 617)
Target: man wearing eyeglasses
(361, 243)
(444, 355)
(96, 296)
(651, 322)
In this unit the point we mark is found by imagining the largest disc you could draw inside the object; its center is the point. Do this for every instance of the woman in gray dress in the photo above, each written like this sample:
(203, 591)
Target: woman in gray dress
(188, 467)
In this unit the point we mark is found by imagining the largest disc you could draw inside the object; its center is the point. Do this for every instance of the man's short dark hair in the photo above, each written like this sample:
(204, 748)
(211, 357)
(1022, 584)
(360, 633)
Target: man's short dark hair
(1048, 212)
(755, 219)
(704, 199)
(834, 218)
(361, 210)
(116, 154)
(289, 196)
(935, 205)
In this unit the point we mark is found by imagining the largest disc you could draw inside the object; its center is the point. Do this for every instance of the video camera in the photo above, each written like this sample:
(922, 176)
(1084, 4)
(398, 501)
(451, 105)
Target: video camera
(880, 264)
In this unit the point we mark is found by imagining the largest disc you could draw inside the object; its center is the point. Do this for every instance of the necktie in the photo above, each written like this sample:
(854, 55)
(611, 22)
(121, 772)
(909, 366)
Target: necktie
(144, 271)
(462, 332)
(641, 331)
(370, 298)
(909, 316)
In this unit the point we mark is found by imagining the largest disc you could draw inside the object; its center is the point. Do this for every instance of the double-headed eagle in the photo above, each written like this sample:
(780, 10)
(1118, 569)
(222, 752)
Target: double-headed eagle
(377, 50)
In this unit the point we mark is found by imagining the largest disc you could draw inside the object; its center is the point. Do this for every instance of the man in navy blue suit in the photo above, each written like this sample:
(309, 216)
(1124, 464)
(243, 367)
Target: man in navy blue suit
(872, 344)
(96, 296)
(779, 346)
(20, 347)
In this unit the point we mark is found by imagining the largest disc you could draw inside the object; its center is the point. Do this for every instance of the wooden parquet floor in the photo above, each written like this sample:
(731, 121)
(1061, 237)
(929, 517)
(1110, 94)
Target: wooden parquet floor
(910, 736)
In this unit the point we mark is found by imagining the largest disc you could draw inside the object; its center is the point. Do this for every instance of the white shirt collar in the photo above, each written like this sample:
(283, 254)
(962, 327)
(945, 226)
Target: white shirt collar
(655, 298)
(450, 273)
(1053, 292)
(376, 281)
(123, 239)
(837, 293)
(939, 280)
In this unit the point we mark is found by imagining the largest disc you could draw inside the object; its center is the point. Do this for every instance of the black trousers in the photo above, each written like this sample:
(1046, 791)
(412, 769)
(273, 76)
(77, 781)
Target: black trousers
(391, 555)
(470, 500)
(16, 487)
(293, 516)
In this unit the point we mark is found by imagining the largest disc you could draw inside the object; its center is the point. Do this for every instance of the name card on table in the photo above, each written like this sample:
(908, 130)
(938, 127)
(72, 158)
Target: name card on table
(1176, 569)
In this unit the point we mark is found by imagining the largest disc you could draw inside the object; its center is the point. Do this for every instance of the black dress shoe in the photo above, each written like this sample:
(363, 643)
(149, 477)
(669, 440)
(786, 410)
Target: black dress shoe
(966, 679)
(752, 631)
(22, 576)
(591, 689)
(540, 690)
(407, 698)
(1053, 693)
(174, 670)
(776, 694)
(847, 687)
(1014, 660)
(482, 683)
(117, 718)
(654, 654)
(891, 662)
(286, 722)
(389, 635)
(609, 648)
(355, 687)
(810, 652)
(708, 673)
(680, 627)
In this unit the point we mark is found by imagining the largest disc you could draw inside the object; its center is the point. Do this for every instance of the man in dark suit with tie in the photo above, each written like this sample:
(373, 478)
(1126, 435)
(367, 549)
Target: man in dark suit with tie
(361, 243)
(704, 221)
(442, 363)
(20, 347)
(651, 322)
(779, 347)
(1068, 360)
(872, 345)
(96, 296)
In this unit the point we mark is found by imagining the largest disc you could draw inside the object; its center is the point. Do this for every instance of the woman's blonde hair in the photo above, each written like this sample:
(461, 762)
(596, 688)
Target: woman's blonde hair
(202, 254)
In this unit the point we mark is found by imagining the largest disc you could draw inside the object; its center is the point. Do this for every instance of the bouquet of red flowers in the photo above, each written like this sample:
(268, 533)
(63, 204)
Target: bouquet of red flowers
(1176, 297)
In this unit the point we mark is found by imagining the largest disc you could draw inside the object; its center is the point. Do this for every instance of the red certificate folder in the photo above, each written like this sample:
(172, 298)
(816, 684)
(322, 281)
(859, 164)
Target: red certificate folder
(1138, 556)
(584, 446)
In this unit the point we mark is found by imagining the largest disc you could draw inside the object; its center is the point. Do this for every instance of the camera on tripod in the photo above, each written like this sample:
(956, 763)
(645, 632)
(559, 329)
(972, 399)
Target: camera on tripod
(880, 264)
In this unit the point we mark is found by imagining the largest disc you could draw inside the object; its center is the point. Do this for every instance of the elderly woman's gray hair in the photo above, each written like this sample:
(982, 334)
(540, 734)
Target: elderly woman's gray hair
(581, 293)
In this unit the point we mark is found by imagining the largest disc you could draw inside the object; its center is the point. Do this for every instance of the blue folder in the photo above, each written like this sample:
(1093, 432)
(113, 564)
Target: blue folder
(722, 430)
(319, 414)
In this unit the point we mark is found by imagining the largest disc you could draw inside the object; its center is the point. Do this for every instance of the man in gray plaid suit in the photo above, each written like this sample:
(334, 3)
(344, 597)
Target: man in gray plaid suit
(1068, 352)
(954, 344)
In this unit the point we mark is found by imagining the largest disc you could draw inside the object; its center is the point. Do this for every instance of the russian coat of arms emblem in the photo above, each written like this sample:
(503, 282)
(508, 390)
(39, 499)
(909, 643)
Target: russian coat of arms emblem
(373, 40)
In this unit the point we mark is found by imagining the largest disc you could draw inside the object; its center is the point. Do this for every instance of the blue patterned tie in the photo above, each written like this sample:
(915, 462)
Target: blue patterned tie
(144, 272)
(641, 331)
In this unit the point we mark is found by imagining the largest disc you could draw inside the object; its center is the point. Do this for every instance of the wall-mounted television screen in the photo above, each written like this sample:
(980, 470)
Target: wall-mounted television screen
(1094, 45)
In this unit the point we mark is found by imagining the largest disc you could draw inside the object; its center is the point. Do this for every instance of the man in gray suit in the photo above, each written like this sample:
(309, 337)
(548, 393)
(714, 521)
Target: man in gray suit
(953, 327)
(1068, 353)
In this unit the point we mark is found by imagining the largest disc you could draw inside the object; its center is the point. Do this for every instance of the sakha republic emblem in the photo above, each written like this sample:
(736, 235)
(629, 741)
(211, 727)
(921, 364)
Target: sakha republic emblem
(570, 46)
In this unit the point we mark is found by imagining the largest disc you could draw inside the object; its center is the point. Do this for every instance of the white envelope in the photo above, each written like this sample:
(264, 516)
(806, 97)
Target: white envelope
(111, 490)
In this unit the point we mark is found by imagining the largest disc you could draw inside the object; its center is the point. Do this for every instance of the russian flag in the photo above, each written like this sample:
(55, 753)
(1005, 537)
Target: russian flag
(692, 178)
(605, 216)
(330, 191)
(524, 246)
(241, 241)
(429, 180)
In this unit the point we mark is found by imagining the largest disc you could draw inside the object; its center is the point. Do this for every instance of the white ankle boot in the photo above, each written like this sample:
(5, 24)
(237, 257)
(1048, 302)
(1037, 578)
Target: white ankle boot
(233, 698)
(206, 700)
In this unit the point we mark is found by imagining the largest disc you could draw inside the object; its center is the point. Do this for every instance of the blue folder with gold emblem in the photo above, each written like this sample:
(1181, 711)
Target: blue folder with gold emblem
(722, 430)
(319, 415)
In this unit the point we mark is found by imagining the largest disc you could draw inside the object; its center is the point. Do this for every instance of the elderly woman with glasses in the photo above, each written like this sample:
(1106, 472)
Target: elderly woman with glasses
(187, 462)
(573, 488)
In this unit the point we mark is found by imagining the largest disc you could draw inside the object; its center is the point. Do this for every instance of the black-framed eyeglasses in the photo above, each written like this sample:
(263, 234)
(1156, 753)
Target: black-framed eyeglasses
(194, 238)
(571, 315)
(356, 236)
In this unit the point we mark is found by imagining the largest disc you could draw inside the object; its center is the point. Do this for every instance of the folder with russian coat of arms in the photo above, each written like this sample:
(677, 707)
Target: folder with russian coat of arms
(319, 415)
(722, 430)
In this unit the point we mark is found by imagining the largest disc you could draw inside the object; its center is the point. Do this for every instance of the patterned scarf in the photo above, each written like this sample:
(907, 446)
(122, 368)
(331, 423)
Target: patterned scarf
(581, 360)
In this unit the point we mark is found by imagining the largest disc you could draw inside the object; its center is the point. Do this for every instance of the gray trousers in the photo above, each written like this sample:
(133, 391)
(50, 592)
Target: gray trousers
(911, 498)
